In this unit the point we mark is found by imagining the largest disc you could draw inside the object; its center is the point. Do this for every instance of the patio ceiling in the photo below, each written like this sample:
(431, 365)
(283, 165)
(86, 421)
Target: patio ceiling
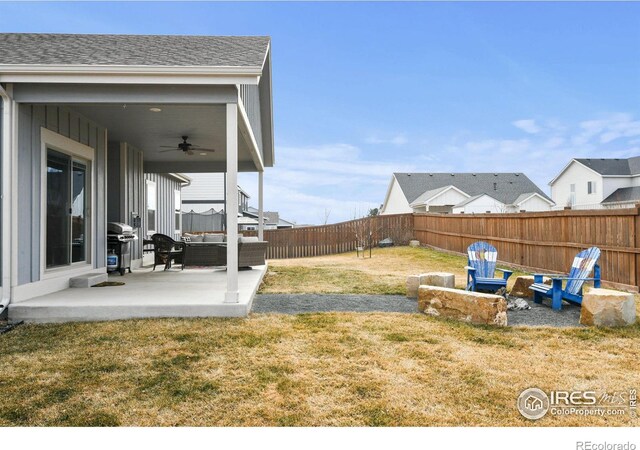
(149, 131)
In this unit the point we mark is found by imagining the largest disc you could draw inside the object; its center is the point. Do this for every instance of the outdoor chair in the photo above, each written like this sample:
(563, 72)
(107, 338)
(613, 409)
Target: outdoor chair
(481, 268)
(166, 250)
(583, 264)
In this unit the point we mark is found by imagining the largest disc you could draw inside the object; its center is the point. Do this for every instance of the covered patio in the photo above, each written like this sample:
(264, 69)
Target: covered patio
(147, 294)
(123, 114)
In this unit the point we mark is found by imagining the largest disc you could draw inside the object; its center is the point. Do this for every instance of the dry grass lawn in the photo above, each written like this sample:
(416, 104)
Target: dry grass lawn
(385, 273)
(314, 369)
(336, 369)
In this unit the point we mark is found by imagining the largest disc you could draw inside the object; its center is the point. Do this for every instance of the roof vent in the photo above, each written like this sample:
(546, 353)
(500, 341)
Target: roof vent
(473, 174)
(408, 174)
(453, 174)
(430, 174)
(517, 174)
(495, 186)
(495, 174)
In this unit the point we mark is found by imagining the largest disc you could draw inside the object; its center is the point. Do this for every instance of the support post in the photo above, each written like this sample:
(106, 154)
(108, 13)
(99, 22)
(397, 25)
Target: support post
(7, 132)
(260, 205)
(231, 212)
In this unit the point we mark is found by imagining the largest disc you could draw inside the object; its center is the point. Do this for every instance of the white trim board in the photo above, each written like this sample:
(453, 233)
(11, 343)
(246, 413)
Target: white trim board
(58, 142)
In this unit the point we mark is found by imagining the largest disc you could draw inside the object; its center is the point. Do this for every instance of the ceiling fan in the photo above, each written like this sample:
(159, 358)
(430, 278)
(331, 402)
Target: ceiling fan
(186, 147)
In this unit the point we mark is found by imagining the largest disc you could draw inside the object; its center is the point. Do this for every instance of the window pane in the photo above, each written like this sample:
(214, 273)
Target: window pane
(58, 208)
(79, 213)
(151, 196)
(151, 220)
(177, 214)
(176, 199)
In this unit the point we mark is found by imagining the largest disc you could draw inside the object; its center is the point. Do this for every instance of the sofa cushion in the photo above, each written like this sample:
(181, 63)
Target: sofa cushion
(188, 237)
(248, 239)
(213, 238)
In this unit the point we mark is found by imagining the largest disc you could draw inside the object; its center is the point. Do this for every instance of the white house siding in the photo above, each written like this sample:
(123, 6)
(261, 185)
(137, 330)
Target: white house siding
(396, 203)
(165, 219)
(67, 123)
(206, 191)
(481, 205)
(579, 175)
(449, 197)
(534, 204)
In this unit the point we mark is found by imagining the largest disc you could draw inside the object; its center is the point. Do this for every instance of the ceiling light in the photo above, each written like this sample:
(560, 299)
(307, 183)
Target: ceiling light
(155, 109)
(203, 154)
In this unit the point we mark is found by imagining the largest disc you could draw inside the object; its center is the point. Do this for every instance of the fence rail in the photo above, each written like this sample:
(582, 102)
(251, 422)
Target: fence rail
(336, 238)
(547, 240)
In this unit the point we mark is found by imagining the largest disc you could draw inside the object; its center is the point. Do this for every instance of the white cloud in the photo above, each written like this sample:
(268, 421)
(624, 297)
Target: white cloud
(348, 180)
(607, 129)
(527, 125)
(399, 139)
(307, 180)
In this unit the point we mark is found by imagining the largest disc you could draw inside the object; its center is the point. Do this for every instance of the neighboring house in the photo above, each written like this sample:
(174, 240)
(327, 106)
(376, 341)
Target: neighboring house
(272, 219)
(591, 183)
(463, 193)
(207, 191)
(85, 123)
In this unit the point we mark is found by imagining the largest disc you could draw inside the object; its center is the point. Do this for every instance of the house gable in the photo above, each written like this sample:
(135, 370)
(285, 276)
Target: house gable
(395, 201)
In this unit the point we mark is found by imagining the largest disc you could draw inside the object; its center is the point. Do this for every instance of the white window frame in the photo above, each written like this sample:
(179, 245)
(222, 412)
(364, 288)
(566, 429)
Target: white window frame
(54, 141)
(591, 187)
(177, 209)
(572, 194)
(150, 230)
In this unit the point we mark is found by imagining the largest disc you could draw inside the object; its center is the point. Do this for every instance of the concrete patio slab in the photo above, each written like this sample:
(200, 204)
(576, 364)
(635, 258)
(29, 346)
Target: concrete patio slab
(146, 294)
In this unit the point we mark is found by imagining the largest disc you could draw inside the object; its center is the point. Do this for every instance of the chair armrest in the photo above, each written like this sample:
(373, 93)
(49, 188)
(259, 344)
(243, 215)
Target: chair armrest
(469, 268)
(550, 275)
(504, 270)
(584, 279)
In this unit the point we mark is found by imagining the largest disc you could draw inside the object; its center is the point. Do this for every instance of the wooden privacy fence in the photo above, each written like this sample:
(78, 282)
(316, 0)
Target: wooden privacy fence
(546, 240)
(336, 238)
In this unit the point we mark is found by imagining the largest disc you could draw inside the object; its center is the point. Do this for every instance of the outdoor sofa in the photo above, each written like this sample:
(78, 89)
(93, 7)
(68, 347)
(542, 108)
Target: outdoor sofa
(211, 250)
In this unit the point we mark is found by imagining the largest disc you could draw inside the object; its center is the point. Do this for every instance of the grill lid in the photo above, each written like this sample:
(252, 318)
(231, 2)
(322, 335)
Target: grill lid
(119, 228)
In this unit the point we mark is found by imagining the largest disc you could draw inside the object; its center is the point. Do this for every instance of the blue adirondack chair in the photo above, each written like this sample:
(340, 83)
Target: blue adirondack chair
(482, 267)
(583, 264)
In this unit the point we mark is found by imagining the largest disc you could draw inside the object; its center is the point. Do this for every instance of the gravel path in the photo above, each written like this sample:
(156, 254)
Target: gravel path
(305, 303)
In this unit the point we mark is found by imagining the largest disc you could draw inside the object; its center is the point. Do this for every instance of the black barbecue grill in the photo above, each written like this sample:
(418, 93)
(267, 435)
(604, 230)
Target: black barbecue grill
(119, 237)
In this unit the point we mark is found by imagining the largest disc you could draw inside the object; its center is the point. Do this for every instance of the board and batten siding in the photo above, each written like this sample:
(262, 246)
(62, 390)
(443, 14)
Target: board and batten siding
(126, 188)
(165, 212)
(250, 96)
(72, 125)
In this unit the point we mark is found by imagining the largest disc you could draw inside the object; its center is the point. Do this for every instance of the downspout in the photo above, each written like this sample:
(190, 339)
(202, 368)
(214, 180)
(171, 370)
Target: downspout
(5, 145)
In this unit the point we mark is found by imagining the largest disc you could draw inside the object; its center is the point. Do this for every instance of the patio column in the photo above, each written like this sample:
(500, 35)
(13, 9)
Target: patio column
(260, 205)
(231, 296)
(8, 122)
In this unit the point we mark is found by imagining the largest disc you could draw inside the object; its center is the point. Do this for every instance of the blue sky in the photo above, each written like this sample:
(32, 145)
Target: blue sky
(365, 89)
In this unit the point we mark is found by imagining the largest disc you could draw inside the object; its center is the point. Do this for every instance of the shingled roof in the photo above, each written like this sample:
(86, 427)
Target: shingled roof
(507, 188)
(132, 50)
(624, 195)
(612, 166)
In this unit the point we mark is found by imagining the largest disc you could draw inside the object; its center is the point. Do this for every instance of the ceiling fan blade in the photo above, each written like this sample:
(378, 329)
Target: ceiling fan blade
(168, 146)
(170, 150)
(205, 149)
